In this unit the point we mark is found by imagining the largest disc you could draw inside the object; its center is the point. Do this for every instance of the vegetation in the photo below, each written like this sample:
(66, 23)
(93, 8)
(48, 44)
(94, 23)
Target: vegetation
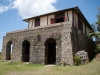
(0, 55)
(97, 50)
(97, 36)
(9, 68)
(98, 21)
(96, 25)
(77, 60)
(96, 33)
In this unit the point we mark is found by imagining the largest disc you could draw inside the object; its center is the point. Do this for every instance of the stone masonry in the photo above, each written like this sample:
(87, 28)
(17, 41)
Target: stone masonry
(65, 35)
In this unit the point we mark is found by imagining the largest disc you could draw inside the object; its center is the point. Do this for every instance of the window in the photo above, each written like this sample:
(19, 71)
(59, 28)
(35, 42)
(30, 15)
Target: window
(80, 24)
(37, 22)
(60, 17)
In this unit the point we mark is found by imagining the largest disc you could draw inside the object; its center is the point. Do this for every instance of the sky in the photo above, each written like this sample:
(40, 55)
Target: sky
(12, 12)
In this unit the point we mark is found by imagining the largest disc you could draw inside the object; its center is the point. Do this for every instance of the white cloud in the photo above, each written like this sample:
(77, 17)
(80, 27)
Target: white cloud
(3, 8)
(30, 8)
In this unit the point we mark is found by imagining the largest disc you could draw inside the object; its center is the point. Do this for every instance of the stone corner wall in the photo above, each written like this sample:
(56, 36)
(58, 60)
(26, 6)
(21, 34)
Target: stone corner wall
(67, 52)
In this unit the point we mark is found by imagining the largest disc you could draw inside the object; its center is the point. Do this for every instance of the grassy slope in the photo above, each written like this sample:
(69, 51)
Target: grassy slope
(8, 68)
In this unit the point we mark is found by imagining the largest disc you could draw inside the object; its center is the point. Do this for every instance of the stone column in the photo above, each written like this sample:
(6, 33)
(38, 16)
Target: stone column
(67, 52)
(17, 50)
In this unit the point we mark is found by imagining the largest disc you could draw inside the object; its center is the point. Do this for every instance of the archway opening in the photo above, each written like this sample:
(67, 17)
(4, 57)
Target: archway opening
(50, 51)
(9, 50)
(25, 51)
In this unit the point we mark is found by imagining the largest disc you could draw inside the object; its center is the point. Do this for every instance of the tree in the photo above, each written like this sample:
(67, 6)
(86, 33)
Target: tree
(96, 33)
(96, 25)
(98, 21)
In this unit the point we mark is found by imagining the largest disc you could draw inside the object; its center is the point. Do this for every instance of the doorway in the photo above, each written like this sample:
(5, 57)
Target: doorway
(9, 50)
(25, 51)
(50, 51)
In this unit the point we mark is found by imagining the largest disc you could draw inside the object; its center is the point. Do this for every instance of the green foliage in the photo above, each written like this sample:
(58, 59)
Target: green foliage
(98, 21)
(97, 50)
(63, 64)
(0, 57)
(96, 25)
(97, 36)
(77, 60)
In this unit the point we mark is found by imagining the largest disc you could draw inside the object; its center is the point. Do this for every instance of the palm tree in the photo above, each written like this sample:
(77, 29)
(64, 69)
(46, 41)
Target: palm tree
(96, 35)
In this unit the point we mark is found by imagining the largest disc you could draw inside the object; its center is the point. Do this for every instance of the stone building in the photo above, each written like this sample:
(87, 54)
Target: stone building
(51, 38)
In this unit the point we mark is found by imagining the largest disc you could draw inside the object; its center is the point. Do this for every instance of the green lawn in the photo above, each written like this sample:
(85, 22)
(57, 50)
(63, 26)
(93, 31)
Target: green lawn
(9, 68)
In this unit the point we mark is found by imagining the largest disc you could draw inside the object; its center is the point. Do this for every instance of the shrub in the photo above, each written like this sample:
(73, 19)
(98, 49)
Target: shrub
(0, 57)
(97, 50)
(77, 60)
(63, 64)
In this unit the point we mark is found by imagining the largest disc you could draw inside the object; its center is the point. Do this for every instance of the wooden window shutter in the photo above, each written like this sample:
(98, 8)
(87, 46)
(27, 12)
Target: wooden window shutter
(52, 20)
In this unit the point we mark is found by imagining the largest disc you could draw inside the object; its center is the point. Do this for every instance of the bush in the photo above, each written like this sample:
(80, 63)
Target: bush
(77, 60)
(97, 50)
(0, 57)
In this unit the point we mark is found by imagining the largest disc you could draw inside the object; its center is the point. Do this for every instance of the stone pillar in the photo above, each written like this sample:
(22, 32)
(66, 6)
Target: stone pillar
(67, 52)
(4, 49)
(17, 50)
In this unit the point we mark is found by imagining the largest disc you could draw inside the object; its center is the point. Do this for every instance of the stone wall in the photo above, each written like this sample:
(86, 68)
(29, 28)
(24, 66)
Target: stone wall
(67, 52)
(37, 38)
(68, 41)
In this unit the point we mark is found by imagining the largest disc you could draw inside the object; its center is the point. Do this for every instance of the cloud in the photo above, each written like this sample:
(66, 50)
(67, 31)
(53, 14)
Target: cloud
(3, 8)
(30, 8)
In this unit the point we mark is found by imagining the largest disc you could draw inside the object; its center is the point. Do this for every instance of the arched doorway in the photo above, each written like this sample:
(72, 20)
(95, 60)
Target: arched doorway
(25, 51)
(9, 50)
(50, 51)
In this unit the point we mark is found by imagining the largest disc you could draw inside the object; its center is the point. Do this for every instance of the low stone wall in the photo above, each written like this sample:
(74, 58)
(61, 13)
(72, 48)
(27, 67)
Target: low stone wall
(83, 56)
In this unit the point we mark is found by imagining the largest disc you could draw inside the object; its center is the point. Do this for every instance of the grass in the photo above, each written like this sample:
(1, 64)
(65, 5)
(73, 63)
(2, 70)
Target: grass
(11, 68)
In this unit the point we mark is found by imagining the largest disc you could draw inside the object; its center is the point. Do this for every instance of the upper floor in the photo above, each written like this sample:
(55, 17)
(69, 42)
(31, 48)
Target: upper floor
(73, 15)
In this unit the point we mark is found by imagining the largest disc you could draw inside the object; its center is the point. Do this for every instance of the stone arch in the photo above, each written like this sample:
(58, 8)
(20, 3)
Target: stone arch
(25, 51)
(50, 51)
(9, 50)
